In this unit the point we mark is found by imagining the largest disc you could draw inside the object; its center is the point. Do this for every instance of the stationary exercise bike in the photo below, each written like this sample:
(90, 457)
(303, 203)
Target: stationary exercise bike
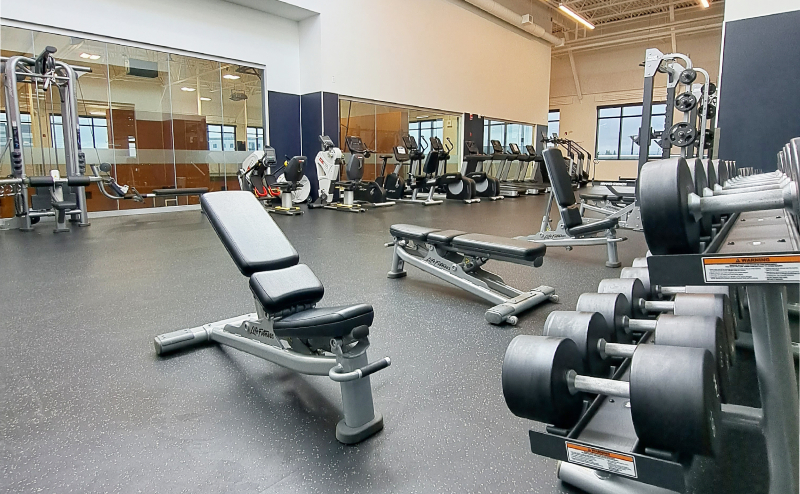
(368, 192)
(261, 175)
(393, 184)
(464, 188)
(328, 162)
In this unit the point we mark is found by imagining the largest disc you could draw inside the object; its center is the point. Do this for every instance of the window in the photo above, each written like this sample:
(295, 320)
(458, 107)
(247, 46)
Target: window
(221, 137)
(24, 127)
(553, 124)
(506, 133)
(93, 132)
(618, 126)
(425, 128)
(255, 138)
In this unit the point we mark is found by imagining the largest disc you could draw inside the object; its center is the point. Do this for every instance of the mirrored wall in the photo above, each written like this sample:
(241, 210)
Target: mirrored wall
(382, 127)
(506, 133)
(162, 120)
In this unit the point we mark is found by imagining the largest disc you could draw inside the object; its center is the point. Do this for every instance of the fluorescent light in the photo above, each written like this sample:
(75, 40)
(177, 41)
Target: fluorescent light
(423, 116)
(90, 56)
(575, 16)
(230, 76)
(704, 3)
(203, 98)
(190, 89)
(97, 113)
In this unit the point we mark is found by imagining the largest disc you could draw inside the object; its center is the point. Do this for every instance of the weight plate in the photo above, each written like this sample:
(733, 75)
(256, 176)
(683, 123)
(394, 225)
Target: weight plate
(675, 403)
(722, 171)
(700, 183)
(613, 307)
(534, 379)
(708, 304)
(685, 102)
(688, 76)
(682, 134)
(712, 88)
(585, 329)
(664, 188)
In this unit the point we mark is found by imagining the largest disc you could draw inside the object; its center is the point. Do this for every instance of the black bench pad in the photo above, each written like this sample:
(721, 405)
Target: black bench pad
(594, 227)
(413, 232)
(444, 236)
(330, 322)
(492, 245)
(196, 191)
(246, 229)
(601, 197)
(285, 288)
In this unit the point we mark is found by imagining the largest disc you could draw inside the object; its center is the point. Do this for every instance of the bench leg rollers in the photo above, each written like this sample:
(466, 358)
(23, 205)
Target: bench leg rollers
(397, 266)
(360, 419)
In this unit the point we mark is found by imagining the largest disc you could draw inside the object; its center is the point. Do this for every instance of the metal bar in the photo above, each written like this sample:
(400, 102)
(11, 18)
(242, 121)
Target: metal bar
(777, 383)
(605, 387)
(742, 417)
(598, 482)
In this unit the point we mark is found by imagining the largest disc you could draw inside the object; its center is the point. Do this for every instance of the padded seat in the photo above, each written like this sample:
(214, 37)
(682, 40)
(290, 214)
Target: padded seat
(444, 236)
(248, 232)
(327, 322)
(492, 245)
(448, 178)
(64, 205)
(601, 197)
(196, 191)
(282, 289)
(413, 232)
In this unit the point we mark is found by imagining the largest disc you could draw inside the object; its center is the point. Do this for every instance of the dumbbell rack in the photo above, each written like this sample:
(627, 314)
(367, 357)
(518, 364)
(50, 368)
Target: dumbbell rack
(604, 441)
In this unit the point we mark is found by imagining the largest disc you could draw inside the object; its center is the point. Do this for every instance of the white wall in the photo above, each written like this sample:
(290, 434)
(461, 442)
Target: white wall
(745, 9)
(208, 27)
(441, 54)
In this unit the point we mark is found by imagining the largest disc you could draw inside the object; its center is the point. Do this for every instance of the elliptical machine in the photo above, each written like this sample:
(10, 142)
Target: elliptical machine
(463, 189)
(485, 185)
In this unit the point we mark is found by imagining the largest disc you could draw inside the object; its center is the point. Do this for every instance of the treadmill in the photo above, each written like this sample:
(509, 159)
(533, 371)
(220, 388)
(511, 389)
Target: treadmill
(500, 154)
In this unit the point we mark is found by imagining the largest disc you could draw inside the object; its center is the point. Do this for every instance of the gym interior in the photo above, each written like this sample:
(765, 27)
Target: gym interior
(185, 307)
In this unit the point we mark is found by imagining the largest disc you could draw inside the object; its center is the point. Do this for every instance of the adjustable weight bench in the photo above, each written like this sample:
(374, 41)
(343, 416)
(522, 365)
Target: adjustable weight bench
(573, 229)
(457, 257)
(287, 327)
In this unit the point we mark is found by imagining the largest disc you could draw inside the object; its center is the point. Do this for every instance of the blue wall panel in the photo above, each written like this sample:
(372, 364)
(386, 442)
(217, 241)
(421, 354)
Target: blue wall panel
(284, 124)
(311, 119)
(330, 113)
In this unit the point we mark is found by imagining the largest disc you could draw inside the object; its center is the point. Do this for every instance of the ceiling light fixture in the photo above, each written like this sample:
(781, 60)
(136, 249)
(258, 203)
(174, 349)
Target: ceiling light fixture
(575, 16)
(190, 89)
(423, 116)
(230, 76)
(203, 98)
(89, 56)
(704, 3)
(97, 113)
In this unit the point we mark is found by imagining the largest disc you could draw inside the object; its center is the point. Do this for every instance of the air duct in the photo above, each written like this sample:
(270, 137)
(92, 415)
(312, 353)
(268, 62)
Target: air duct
(516, 20)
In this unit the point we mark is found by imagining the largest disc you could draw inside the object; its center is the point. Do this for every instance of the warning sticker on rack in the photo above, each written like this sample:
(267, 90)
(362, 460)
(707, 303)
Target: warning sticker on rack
(756, 269)
(600, 459)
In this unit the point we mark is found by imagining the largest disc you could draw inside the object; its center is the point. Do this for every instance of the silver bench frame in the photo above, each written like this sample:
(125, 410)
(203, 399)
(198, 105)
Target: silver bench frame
(463, 269)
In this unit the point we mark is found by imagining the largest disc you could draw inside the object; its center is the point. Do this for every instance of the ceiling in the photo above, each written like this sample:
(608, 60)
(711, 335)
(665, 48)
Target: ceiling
(601, 12)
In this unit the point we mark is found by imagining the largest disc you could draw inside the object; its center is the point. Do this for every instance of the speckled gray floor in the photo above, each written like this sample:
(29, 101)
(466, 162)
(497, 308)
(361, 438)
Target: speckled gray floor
(86, 406)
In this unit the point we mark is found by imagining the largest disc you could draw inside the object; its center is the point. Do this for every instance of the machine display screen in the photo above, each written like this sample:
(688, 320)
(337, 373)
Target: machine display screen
(401, 150)
(514, 148)
(498, 148)
(269, 155)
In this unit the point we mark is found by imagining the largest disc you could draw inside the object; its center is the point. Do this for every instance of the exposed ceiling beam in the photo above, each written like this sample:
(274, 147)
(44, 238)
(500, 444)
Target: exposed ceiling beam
(592, 44)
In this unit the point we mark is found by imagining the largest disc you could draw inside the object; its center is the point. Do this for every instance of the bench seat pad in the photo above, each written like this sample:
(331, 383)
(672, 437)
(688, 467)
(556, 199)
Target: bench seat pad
(444, 236)
(181, 192)
(282, 289)
(492, 245)
(248, 232)
(413, 232)
(327, 322)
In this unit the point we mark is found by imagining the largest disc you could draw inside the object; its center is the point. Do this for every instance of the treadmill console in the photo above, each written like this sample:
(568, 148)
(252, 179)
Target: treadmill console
(498, 148)
(514, 148)
(531, 150)
(436, 144)
(270, 157)
(355, 144)
(327, 143)
(400, 154)
(471, 147)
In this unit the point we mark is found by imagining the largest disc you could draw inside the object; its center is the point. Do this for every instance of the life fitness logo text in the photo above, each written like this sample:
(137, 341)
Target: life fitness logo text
(438, 264)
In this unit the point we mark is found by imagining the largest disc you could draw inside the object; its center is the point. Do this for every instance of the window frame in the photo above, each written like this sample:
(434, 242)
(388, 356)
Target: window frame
(222, 134)
(620, 118)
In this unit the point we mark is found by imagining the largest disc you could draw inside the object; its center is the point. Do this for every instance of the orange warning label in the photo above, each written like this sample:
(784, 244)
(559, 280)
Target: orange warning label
(601, 459)
(754, 269)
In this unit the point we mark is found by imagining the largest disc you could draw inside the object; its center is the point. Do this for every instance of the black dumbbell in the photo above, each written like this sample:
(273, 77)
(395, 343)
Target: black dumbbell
(683, 304)
(673, 395)
(684, 331)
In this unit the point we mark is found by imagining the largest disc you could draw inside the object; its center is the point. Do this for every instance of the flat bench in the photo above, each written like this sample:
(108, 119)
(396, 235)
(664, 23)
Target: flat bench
(287, 327)
(457, 257)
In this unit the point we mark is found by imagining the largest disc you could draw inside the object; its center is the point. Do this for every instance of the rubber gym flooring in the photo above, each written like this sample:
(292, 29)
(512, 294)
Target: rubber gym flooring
(87, 406)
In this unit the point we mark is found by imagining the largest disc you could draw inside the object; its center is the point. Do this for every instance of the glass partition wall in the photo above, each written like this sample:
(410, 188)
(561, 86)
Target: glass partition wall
(382, 127)
(162, 120)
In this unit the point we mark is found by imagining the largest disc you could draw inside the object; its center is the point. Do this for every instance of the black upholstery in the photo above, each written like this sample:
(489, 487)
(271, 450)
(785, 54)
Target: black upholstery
(285, 288)
(413, 232)
(195, 191)
(601, 197)
(444, 236)
(248, 232)
(559, 177)
(500, 246)
(329, 322)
